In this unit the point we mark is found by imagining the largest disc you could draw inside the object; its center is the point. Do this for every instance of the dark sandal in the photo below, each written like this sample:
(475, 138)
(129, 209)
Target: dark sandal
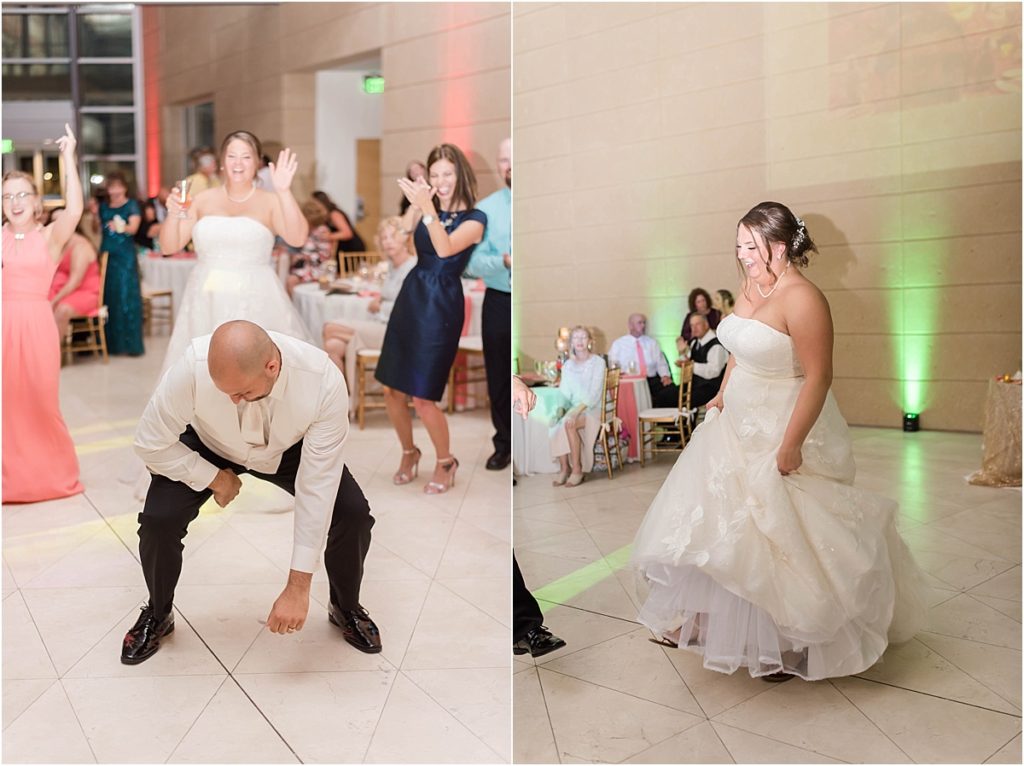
(664, 642)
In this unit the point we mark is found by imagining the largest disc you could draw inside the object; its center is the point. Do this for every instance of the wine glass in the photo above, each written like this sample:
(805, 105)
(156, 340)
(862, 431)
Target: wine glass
(185, 198)
(633, 369)
(551, 371)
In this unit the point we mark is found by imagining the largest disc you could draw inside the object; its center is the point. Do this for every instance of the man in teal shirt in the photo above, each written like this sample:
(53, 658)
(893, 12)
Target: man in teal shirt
(492, 260)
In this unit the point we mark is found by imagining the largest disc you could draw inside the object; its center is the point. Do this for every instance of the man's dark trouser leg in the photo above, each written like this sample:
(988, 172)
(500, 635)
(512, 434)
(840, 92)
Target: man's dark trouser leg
(497, 337)
(170, 507)
(526, 614)
(348, 537)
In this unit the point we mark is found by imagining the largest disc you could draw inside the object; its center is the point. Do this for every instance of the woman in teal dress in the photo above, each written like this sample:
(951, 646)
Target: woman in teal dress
(120, 218)
(422, 338)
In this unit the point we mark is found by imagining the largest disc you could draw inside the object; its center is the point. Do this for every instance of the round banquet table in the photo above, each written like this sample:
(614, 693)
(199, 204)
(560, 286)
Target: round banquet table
(531, 451)
(634, 397)
(170, 273)
(316, 307)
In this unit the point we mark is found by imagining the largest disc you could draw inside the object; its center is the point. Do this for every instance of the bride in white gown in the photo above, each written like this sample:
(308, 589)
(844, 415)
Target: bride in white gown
(757, 551)
(232, 228)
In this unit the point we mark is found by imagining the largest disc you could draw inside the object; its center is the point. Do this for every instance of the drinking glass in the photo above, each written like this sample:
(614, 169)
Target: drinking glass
(185, 198)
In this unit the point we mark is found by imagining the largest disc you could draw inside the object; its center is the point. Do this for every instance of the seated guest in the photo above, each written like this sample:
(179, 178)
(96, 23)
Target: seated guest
(149, 231)
(642, 350)
(75, 290)
(723, 302)
(343, 341)
(309, 261)
(700, 303)
(709, 359)
(575, 431)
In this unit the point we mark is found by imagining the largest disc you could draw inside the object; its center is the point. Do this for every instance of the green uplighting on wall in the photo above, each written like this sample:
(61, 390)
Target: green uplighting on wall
(7, 146)
(914, 311)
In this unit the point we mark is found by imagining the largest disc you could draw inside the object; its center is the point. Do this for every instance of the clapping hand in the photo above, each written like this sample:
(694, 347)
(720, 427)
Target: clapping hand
(67, 143)
(282, 173)
(419, 193)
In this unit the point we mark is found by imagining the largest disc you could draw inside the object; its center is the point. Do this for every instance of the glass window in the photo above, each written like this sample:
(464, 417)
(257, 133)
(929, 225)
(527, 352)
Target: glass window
(104, 35)
(34, 36)
(108, 134)
(105, 84)
(51, 175)
(37, 82)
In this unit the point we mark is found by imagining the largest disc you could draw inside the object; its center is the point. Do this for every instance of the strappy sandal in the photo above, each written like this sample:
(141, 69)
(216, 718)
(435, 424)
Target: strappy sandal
(574, 480)
(403, 477)
(560, 481)
(437, 488)
(664, 642)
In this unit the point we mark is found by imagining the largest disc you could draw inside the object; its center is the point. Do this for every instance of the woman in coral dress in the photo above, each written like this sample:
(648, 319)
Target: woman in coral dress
(39, 461)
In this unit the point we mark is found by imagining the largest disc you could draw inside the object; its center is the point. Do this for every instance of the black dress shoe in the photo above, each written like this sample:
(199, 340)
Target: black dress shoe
(537, 642)
(142, 641)
(356, 627)
(498, 460)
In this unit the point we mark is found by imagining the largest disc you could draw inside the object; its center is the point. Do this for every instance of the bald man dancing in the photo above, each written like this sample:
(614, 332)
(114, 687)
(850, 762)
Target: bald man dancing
(247, 401)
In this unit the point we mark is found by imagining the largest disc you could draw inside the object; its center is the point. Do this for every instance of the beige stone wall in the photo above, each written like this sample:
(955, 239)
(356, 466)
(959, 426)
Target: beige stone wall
(644, 131)
(447, 69)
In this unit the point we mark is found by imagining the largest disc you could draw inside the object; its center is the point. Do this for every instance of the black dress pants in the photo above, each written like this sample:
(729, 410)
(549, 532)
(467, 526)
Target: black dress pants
(496, 318)
(526, 614)
(172, 505)
(662, 395)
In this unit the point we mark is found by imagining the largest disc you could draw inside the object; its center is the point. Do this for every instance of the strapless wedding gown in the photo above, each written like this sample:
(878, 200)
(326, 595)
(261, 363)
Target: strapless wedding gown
(234, 278)
(802, 573)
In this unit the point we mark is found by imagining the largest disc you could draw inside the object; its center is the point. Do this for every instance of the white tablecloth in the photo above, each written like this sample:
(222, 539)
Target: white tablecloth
(167, 274)
(531, 451)
(316, 307)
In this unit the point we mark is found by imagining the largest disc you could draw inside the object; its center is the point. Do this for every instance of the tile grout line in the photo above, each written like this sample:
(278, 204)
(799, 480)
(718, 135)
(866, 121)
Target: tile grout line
(78, 720)
(870, 720)
(196, 719)
(713, 722)
(938, 696)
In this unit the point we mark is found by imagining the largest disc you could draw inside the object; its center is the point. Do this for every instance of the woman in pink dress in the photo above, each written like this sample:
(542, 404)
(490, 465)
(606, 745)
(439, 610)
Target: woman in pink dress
(75, 290)
(39, 461)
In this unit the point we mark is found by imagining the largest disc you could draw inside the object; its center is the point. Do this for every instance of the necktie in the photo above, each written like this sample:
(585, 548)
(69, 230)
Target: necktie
(252, 424)
(640, 358)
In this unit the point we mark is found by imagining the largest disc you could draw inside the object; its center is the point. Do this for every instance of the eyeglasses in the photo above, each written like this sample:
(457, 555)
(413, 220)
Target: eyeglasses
(19, 197)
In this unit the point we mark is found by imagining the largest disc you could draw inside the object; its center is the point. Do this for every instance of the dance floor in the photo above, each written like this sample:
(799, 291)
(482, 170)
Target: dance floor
(952, 694)
(222, 688)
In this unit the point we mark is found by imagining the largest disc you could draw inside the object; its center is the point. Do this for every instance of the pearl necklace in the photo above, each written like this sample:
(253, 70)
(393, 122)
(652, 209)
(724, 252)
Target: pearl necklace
(244, 199)
(769, 295)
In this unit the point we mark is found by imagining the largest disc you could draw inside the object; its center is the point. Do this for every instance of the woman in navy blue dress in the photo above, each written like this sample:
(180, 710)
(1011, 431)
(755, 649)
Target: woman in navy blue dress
(422, 338)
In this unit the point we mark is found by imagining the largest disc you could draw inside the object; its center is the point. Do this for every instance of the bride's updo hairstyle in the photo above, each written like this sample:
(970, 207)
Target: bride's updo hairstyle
(245, 137)
(776, 223)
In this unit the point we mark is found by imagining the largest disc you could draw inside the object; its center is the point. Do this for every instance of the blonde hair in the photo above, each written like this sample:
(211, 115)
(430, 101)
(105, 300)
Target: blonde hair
(585, 331)
(394, 223)
(14, 175)
(315, 213)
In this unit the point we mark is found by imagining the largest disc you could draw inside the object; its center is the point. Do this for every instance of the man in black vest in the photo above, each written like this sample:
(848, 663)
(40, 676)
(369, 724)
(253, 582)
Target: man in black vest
(709, 359)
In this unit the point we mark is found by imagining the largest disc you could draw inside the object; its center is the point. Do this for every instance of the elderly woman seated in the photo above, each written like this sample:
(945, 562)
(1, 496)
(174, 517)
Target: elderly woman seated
(576, 429)
(75, 289)
(343, 341)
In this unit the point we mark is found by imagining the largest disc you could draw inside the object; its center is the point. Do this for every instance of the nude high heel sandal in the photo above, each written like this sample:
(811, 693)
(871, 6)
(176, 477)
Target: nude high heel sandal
(403, 477)
(451, 466)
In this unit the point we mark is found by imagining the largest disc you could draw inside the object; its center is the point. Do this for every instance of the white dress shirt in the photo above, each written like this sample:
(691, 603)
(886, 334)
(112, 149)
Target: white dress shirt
(623, 351)
(718, 357)
(309, 402)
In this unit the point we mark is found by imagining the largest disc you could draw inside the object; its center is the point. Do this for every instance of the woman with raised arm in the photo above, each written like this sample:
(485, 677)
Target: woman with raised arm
(758, 551)
(422, 338)
(39, 461)
(232, 227)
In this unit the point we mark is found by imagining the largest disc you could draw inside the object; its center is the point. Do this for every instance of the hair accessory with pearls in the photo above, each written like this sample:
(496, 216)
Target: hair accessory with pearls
(801, 233)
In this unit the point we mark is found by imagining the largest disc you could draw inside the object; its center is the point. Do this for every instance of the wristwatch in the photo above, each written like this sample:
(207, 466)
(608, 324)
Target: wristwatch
(429, 219)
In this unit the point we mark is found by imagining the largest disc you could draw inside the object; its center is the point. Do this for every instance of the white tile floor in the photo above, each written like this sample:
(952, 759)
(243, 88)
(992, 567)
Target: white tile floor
(222, 689)
(953, 694)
